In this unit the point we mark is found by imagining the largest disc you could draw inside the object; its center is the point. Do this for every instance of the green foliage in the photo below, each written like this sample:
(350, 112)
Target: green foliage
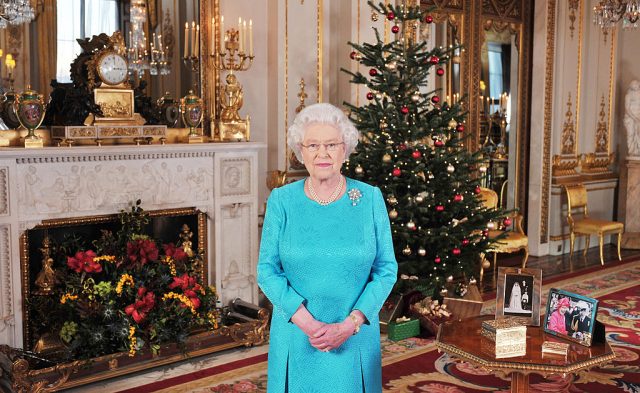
(412, 147)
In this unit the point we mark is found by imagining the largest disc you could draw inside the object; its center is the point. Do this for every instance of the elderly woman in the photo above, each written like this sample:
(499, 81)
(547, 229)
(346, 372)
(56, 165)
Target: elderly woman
(557, 321)
(327, 264)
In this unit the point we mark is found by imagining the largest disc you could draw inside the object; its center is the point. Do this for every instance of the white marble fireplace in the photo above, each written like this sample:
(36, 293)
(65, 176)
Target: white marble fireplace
(53, 183)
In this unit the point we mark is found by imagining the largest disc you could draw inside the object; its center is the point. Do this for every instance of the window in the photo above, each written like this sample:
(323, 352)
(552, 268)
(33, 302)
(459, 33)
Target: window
(495, 70)
(80, 19)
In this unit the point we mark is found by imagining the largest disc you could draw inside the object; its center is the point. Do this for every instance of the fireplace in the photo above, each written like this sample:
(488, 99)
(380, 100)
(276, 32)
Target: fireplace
(39, 188)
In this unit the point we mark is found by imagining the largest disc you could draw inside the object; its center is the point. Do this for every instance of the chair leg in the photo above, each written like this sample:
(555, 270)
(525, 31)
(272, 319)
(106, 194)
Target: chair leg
(572, 241)
(526, 257)
(619, 242)
(601, 243)
(586, 244)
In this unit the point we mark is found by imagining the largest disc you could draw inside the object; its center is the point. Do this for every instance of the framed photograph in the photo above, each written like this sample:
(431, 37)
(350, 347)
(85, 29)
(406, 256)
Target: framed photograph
(519, 294)
(571, 316)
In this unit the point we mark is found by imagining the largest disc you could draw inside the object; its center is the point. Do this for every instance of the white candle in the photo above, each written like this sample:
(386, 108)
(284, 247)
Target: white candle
(196, 51)
(244, 35)
(186, 39)
(223, 37)
(250, 37)
(193, 38)
(240, 48)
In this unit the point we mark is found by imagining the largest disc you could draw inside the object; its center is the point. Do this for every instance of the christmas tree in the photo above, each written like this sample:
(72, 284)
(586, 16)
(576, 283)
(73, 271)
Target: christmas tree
(412, 147)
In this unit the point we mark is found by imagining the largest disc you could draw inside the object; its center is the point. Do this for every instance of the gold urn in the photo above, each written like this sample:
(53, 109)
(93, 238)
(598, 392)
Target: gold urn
(30, 110)
(192, 112)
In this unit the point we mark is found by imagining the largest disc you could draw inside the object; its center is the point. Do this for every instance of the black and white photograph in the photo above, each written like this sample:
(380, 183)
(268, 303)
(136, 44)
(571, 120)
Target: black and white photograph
(518, 294)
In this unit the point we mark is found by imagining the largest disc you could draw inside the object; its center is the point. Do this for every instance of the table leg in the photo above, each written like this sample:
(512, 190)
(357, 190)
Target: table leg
(519, 383)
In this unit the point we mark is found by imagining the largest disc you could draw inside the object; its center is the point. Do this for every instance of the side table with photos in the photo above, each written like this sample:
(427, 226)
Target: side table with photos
(464, 342)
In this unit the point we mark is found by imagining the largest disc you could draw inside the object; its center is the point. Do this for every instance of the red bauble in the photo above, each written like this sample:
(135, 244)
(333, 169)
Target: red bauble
(435, 99)
(373, 72)
(437, 260)
(434, 60)
(416, 154)
(438, 143)
(391, 15)
(395, 29)
(404, 110)
(458, 198)
(440, 71)
(507, 221)
(396, 172)
(402, 146)
(370, 96)
(439, 208)
(460, 128)
(428, 19)
(353, 55)
(465, 242)
(477, 190)
(485, 232)
(456, 251)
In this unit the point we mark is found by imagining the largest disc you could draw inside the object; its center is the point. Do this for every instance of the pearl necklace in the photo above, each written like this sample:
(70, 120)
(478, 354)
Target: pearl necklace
(332, 197)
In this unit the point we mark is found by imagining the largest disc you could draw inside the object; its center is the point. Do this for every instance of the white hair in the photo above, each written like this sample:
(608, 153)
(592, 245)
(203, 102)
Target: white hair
(322, 113)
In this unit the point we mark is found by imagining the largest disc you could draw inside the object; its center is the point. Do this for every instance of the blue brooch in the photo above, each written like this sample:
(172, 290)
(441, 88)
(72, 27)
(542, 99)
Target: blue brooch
(354, 195)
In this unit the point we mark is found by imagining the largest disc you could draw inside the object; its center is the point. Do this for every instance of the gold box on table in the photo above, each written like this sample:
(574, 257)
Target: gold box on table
(508, 336)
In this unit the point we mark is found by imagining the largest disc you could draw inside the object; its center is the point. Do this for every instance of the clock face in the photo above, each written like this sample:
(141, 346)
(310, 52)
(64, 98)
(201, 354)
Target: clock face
(112, 68)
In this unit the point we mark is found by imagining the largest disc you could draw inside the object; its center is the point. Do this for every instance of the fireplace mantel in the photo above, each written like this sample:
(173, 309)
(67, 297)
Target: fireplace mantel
(219, 179)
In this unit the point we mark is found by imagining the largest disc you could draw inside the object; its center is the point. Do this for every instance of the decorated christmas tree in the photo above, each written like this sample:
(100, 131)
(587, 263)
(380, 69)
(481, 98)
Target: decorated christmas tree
(413, 148)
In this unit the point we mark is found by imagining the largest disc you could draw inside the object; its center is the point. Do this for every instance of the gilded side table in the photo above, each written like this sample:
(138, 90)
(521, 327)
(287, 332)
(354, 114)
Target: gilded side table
(463, 341)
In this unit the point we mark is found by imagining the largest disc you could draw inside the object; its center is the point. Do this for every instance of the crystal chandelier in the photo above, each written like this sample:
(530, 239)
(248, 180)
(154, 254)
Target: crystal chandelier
(15, 12)
(609, 12)
(140, 60)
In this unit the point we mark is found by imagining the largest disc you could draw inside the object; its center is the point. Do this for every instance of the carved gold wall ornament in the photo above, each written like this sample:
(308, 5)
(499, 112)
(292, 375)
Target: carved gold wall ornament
(596, 163)
(302, 95)
(573, 6)
(568, 132)
(602, 131)
(46, 278)
(565, 166)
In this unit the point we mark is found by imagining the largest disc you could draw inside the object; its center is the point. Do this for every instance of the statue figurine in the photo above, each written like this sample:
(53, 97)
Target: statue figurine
(632, 118)
(186, 240)
(46, 278)
(231, 100)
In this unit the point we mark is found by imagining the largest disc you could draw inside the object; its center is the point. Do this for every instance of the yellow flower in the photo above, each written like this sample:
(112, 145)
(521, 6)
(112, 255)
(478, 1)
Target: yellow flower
(133, 341)
(67, 296)
(172, 266)
(182, 298)
(124, 279)
(106, 258)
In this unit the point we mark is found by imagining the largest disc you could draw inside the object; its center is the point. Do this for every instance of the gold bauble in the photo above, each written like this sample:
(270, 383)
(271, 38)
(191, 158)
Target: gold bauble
(450, 279)
(411, 224)
(451, 168)
(415, 97)
(374, 16)
(422, 252)
(393, 214)
(486, 264)
(419, 199)
(386, 158)
(392, 200)
(392, 65)
(406, 251)
(491, 225)
(453, 123)
(359, 170)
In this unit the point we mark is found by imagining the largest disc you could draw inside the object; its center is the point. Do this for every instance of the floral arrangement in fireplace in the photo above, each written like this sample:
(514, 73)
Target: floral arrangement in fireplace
(123, 292)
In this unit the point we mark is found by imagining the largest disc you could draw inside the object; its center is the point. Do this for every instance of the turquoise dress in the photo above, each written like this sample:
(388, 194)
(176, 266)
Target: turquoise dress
(333, 259)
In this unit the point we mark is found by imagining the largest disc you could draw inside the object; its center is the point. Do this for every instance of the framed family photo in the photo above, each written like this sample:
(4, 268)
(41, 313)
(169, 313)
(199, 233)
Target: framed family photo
(571, 316)
(519, 294)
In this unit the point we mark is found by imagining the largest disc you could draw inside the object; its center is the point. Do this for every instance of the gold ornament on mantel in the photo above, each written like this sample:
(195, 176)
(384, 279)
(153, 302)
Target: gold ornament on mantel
(192, 112)
(46, 278)
(30, 109)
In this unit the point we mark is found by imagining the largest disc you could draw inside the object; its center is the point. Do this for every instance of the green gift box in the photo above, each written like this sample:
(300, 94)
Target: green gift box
(402, 330)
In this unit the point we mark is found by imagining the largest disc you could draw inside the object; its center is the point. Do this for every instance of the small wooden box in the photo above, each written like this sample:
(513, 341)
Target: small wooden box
(467, 306)
(507, 337)
(402, 330)
(391, 309)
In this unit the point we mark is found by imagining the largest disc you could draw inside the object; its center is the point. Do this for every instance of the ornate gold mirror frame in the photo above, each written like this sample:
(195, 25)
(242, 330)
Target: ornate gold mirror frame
(209, 75)
(474, 18)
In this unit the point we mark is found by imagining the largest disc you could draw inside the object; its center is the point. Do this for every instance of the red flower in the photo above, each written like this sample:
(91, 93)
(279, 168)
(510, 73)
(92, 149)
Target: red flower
(177, 253)
(142, 251)
(189, 286)
(141, 307)
(83, 261)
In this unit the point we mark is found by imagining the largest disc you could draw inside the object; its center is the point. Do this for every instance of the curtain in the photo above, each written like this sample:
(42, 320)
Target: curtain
(46, 27)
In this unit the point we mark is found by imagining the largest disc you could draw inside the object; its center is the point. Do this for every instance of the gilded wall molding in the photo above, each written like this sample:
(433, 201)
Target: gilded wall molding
(579, 81)
(573, 7)
(6, 306)
(4, 191)
(568, 145)
(612, 64)
(602, 131)
(548, 116)
(319, 40)
(503, 9)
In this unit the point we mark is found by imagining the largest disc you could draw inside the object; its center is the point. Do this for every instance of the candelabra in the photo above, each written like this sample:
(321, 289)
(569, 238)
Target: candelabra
(191, 56)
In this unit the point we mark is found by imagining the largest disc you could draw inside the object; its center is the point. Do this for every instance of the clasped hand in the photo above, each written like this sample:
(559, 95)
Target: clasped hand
(331, 336)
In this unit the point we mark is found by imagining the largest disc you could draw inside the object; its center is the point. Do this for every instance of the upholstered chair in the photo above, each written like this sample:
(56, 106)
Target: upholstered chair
(514, 238)
(582, 225)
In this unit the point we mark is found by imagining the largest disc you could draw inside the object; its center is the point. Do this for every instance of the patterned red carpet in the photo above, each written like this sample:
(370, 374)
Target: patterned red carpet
(414, 365)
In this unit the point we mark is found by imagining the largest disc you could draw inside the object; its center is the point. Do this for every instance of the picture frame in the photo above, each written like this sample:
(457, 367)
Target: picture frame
(582, 310)
(518, 294)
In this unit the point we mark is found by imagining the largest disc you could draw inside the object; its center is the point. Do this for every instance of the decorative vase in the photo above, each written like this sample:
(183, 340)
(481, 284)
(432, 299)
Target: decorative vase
(30, 109)
(192, 113)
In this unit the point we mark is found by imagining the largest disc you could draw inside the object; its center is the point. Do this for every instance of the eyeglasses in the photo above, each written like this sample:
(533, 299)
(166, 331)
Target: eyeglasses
(314, 147)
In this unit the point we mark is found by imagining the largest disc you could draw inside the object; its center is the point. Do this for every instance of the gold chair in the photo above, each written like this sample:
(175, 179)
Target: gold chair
(585, 226)
(513, 241)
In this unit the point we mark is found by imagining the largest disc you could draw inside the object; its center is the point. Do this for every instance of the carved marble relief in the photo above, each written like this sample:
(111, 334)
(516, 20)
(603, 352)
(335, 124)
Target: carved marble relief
(235, 177)
(6, 306)
(4, 191)
(97, 187)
